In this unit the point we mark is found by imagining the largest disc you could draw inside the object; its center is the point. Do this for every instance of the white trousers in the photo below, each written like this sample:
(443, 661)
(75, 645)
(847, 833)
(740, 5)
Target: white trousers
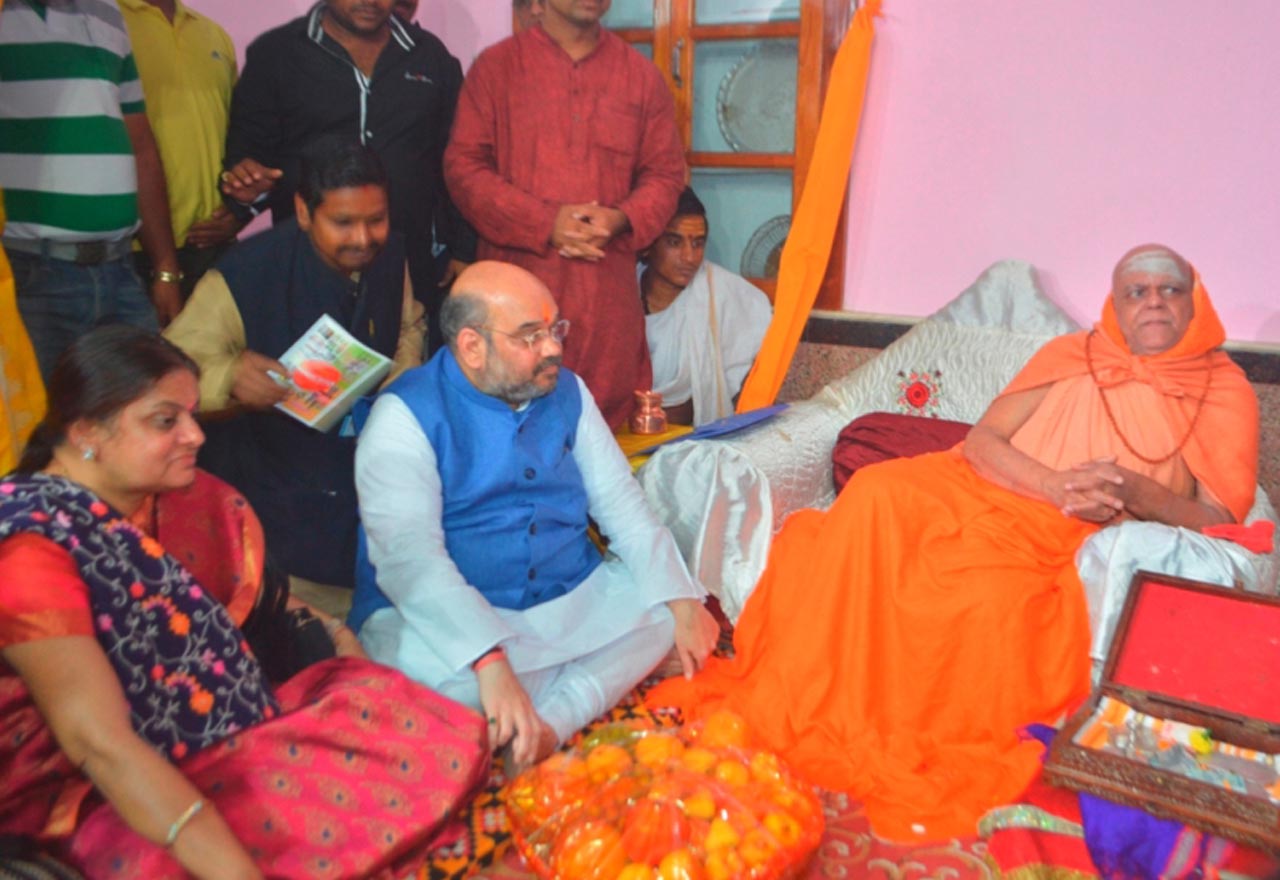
(576, 656)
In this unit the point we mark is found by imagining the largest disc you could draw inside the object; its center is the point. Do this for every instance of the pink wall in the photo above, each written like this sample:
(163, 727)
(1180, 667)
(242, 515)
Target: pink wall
(1063, 133)
(1057, 133)
(466, 26)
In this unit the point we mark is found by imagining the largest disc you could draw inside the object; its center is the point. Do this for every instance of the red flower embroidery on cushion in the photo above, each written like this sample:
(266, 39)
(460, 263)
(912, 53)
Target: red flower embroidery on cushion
(917, 394)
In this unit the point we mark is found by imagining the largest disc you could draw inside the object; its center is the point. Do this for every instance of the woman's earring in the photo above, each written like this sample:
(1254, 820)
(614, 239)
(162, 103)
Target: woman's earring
(89, 454)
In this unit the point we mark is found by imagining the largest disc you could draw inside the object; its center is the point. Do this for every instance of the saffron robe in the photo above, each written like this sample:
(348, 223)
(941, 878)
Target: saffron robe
(897, 642)
(535, 130)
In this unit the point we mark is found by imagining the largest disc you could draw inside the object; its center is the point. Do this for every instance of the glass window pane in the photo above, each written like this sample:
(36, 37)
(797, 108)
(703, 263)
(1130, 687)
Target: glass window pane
(744, 96)
(630, 13)
(739, 11)
(645, 49)
(748, 215)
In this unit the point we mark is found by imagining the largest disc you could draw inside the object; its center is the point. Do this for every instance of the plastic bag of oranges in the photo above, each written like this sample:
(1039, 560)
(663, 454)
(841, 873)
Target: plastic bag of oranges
(694, 803)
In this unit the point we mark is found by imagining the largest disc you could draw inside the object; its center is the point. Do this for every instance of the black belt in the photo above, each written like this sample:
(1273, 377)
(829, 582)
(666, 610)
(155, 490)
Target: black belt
(82, 253)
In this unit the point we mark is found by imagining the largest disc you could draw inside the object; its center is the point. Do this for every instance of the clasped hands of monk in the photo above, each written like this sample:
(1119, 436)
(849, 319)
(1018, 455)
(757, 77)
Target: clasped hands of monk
(1095, 491)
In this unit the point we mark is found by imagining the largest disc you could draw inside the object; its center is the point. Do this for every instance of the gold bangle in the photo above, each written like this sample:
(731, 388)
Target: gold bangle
(181, 822)
(169, 277)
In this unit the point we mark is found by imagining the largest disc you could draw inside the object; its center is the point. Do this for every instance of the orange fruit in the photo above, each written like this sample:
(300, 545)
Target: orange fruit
(588, 851)
(653, 829)
(731, 771)
(657, 748)
(681, 864)
(699, 760)
(784, 828)
(723, 728)
(765, 767)
(607, 761)
(758, 847)
(725, 864)
(700, 804)
(721, 835)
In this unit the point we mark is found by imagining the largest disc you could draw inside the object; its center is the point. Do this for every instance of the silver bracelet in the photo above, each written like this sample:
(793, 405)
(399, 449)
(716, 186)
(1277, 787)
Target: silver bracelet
(181, 822)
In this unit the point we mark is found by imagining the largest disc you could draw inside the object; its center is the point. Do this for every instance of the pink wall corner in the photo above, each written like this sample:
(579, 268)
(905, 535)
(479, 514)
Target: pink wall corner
(1062, 134)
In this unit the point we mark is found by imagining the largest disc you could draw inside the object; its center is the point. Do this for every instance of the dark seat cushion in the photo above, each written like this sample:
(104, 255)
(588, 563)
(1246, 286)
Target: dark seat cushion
(881, 436)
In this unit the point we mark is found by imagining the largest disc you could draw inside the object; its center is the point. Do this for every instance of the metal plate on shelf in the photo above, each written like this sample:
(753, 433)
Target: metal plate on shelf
(756, 105)
(763, 253)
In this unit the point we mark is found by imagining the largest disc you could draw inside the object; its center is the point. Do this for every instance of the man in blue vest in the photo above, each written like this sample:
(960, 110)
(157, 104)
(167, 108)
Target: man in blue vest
(476, 475)
(337, 257)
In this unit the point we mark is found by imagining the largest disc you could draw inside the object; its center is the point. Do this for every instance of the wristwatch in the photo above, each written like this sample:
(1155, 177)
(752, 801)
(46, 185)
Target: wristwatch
(168, 277)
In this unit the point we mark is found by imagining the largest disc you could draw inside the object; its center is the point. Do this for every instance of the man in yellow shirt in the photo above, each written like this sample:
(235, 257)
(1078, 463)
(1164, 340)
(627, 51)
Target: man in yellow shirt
(21, 391)
(187, 65)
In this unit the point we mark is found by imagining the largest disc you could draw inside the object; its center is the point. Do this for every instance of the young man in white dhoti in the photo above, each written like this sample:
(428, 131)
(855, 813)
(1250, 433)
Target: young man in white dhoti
(476, 474)
(704, 323)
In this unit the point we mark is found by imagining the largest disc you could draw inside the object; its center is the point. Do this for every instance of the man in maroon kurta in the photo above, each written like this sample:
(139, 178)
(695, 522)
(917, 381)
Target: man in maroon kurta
(566, 158)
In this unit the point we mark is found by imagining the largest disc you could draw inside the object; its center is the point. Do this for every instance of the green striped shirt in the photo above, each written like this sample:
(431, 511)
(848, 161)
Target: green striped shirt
(67, 79)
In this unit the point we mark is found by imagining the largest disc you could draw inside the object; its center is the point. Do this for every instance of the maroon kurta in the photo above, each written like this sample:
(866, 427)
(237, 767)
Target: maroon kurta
(536, 130)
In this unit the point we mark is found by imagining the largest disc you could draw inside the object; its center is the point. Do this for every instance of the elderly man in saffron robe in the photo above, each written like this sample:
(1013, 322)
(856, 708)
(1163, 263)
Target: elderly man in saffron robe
(566, 158)
(940, 609)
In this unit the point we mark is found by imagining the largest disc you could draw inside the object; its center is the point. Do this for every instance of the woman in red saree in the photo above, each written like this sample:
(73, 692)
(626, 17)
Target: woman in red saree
(897, 642)
(138, 735)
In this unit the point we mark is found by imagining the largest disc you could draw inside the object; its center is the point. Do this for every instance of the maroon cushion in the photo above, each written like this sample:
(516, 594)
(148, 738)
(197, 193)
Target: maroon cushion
(881, 436)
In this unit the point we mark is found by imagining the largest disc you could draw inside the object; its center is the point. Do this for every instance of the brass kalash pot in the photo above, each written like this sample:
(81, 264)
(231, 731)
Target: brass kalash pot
(648, 417)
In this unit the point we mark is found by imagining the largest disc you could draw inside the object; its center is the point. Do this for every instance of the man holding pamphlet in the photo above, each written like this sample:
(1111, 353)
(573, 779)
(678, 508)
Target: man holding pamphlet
(289, 329)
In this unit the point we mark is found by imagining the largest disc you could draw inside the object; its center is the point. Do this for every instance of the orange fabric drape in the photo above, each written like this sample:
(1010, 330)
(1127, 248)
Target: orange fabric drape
(813, 228)
(897, 642)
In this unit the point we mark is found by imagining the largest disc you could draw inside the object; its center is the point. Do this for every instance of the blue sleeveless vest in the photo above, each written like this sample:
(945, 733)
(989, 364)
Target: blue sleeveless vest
(515, 508)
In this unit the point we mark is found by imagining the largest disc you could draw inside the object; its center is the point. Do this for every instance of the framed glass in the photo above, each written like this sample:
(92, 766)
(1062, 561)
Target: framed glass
(748, 216)
(746, 11)
(629, 13)
(744, 96)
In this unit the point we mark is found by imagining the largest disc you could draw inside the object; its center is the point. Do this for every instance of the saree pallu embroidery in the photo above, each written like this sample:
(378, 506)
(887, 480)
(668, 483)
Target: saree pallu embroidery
(183, 664)
(361, 775)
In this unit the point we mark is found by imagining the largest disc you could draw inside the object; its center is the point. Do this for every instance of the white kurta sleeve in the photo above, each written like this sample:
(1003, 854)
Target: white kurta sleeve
(617, 503)
(401, 508)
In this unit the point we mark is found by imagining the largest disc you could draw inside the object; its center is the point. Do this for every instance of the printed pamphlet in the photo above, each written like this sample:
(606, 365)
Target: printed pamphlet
(329, 370)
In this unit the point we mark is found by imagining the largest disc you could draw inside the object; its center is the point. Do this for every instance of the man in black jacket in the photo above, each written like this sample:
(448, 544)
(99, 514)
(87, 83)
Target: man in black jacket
(351, 68)
(338, 258)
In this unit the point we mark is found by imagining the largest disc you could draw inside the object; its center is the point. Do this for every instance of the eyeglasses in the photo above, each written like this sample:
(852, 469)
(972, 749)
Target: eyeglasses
(534, 338)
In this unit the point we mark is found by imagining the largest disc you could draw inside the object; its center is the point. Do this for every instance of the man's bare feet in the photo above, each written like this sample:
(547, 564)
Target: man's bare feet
(547, 743)
(669, 666)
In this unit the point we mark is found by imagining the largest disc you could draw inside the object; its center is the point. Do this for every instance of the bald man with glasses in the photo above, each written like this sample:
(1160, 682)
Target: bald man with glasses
(476, 475)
